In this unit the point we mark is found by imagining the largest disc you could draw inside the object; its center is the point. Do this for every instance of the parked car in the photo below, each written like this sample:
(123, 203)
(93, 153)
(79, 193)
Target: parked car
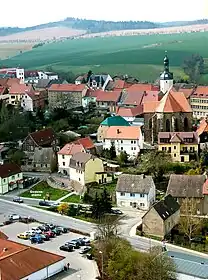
(14, 217)
(85, 250)
(36, 239)
(56, 231)
(86, 241)
(66, 247)
(30, 232)
(44, 203)
(116, 212)
(62, 229)
(45, 237)
(37, 230)
(50, 233)
(75, 244)
(198, 239)
(23, 236)
(18, 200)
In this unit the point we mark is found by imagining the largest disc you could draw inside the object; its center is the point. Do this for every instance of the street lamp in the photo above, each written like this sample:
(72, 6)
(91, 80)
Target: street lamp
(101, 253)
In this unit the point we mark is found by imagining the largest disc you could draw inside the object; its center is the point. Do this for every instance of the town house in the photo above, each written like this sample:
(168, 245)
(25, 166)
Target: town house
(161, 217)
(17, 91)
(40, 149)
(124, 138)
(183, 146)
(10, 177)
(31, 101)
(83, 168)
(66, 95)
(108, 100)
(192, 187)
(137, 191)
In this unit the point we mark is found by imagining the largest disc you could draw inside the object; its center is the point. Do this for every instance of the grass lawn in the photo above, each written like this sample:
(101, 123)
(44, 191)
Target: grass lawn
(41, 190)
(73, 199)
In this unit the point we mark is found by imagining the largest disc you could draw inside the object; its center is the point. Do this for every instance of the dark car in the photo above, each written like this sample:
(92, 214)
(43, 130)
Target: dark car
(74, 244)
(36, 239)
(63, 229)
(66, 247)
(18, 200)
(44, 203)
(56, 231)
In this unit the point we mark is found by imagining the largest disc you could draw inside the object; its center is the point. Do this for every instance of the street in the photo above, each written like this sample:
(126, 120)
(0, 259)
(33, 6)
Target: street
(139, 243)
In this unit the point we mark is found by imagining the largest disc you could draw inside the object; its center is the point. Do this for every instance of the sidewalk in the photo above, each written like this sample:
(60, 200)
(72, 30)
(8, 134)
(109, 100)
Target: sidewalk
(63, 197)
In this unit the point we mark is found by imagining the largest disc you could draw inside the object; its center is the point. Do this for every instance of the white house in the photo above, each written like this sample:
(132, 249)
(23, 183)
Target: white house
(84, 168)
(10, 177)
(124, 138)
(65, 154)
(137, 191)
(47, 75)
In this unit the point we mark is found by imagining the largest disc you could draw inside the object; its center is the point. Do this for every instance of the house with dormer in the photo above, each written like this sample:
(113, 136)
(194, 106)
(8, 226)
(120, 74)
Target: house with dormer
(40, 149)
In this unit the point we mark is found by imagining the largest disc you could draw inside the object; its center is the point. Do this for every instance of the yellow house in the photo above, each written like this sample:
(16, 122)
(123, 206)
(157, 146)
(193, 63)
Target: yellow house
(86, 168)
(182, 146)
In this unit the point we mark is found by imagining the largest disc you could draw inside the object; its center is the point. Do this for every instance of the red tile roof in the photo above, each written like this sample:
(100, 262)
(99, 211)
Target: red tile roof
(86, 142)
(71, 149)
(67, 87)
(107, 96)
(187, 91)
(178, 137)
(203, 126)
(150, 96)
(133, 98)
(9, 169)
(43, 137)
(18, 261)
(8, 82)
(119, 84)
(92, 93)
(123, 132)
(143, 87)
(3, 236)
(200, 92)
(129, 112)
(19, 88)
(171, 102)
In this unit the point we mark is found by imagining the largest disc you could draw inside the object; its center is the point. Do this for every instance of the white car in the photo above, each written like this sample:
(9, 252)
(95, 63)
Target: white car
(29, 232)
(36, 230)
(14, 217)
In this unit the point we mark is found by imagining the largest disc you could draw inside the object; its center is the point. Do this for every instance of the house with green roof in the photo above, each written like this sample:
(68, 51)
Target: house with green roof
(108, 122)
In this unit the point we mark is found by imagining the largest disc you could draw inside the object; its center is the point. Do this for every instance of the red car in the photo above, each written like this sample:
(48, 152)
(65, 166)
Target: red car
(50, 233)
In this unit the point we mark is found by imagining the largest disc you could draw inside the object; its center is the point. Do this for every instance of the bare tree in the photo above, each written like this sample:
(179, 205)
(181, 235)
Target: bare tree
(189, 222)
(108, 227)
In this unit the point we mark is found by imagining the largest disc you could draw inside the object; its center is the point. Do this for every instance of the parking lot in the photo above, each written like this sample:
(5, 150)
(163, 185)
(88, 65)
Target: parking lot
(80, 266)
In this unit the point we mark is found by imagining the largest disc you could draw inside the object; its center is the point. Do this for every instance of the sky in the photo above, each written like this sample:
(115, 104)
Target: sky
(24, 13)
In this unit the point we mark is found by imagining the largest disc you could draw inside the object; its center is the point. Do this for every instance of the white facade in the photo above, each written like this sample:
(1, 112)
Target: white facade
(10, 183)
(131, 147)
(47, 75)
(46, 272)
(63, 164)
(188, 277)
(77, 175)
(20, 74)
(27, 103)
(166, 85)
(87, 100)
(136, 200)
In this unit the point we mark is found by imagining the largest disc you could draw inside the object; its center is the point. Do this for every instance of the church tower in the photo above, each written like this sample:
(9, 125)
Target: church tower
(166, 77)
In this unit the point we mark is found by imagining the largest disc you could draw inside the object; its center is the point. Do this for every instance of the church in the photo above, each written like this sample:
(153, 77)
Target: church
(171, 113)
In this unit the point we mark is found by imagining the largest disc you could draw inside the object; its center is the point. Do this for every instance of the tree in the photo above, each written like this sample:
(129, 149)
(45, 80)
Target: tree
(97, 210)
(89, 74)
(54, 163)
(155, 163)
(63, 208)
(122, 158)
(16, 157)
(194, 67)
(106, 201)
(108, 227)
(189, 223)
(196, 171)
(112, 151)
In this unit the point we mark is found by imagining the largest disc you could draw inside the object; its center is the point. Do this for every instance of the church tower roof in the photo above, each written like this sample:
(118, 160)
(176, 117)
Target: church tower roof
(166, 74)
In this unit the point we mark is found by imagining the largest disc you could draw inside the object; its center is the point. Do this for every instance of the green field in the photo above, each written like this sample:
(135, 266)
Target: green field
(139, 56)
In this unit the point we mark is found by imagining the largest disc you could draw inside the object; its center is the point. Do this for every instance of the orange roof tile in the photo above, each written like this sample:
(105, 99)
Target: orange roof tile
(140, 87)
(67, 87)
(71, 149)
(150, 107)
(203, 126)
(119, 84)
(19, 88)
(150, 96)
(109, 96)
(202, 89)
(133, 97)
(123, 132)
(129, 112)
(187, 91)
(86, 142)
(18, 261)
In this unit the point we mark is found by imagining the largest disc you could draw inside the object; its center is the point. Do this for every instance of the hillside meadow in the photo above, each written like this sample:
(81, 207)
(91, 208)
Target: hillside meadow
(139, 56)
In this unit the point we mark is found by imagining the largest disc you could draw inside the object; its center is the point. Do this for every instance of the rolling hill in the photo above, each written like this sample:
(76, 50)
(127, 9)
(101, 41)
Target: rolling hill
(139, 56)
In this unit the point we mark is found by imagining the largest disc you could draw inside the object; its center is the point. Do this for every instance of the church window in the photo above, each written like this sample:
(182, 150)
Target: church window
(167, 126)
(150, 124)
(176, 128)
(186, 124)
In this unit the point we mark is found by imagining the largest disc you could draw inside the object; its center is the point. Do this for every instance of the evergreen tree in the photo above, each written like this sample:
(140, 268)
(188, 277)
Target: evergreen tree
(112, 151)
(106, 201)
(97, 209)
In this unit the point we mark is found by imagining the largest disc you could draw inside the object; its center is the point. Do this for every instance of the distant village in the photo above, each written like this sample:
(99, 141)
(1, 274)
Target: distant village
(163, 117)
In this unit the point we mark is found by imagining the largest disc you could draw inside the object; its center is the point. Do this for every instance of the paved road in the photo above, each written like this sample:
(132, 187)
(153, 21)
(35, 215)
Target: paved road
(137, 242)
(7, 208)
(36, 174)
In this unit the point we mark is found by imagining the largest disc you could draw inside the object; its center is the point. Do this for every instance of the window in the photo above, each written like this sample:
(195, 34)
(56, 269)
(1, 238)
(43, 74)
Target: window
(62, 156)
(4, 180)
(174, 155)
(13, 177)
(121, 141)
(174, 147)
(132, 148)
(63, 163)
(141, 194)
(134, 142)
(46, 165)
(18, 175)
(132, 194)
(121, 148)
(142, 204)
(122, 194)
(131, 142)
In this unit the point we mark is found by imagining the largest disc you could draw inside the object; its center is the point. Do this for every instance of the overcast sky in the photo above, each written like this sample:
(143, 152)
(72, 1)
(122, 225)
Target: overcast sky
(24, 13)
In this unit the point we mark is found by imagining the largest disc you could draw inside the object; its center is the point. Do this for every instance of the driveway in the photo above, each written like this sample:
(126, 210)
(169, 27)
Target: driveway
(79, 264)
